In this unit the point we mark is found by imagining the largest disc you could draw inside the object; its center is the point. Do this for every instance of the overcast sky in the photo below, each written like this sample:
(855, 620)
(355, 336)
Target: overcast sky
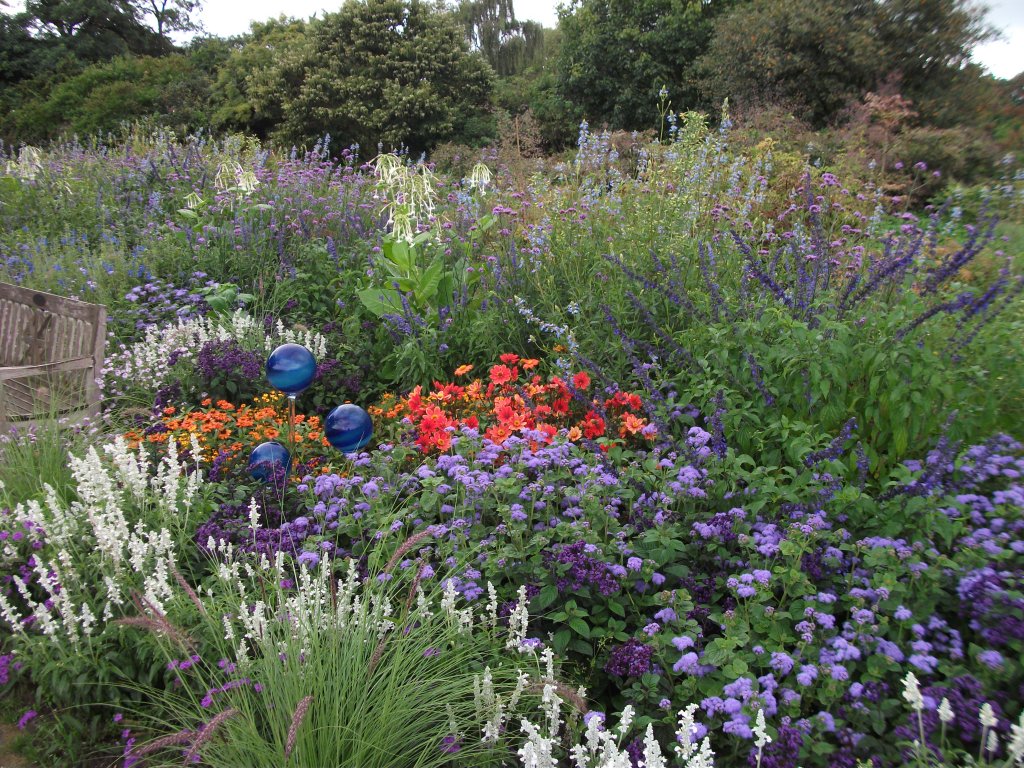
(223, 18)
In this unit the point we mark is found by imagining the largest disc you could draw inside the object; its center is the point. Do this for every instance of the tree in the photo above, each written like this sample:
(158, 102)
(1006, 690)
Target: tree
(811, 56)
(615, 55)
(94, 30)
(817, 56)
(171, 15)
(386, 71)
(168, 91)
(509, 46)
(262, 69)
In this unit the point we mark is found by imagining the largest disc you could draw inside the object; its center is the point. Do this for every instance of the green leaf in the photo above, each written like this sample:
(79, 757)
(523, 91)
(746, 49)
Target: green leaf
(544, 598)
(426, 289)
(381, 301)
(580, 626)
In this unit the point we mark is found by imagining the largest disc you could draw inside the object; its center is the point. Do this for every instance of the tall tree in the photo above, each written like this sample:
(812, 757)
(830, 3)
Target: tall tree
(816, 56)
(171, 15)
(389, 72)
(810, 56)
(94, 30)
(616, 55)
(509, 46)
(265, 66)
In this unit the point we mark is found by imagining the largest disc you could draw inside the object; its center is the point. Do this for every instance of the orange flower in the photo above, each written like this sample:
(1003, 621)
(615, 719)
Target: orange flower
(574, 433)
(169, 410)
(462, 370)
(224, 405)
(206, 402)
(529, 363)
(631, 424)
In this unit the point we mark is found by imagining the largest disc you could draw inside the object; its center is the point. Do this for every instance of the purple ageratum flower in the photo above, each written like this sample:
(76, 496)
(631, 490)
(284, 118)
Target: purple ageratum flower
(309, 558)
(807, 675)
(688, 663)
(992, 659)
(26, 718)
(583, 570)
(782, 663)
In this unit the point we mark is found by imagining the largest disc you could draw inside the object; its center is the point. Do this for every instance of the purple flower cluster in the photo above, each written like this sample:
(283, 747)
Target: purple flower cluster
(578, 569)
(631, 659)
(224, 359)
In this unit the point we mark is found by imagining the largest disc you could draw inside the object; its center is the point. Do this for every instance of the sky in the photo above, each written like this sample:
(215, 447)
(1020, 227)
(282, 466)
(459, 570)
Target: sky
(1003, 58)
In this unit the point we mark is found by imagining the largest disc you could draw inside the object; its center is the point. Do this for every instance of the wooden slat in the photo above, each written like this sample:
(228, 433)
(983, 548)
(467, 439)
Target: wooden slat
(51, 352)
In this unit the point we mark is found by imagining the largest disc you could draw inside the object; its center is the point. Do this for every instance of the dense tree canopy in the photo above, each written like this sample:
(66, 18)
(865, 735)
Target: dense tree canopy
(816, 56)
(616, 55)
(386, 71)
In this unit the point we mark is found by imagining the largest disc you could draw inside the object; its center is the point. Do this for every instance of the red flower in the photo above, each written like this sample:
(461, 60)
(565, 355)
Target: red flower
(502, 374)
(593, 425)
(509, 359)
(581, 381)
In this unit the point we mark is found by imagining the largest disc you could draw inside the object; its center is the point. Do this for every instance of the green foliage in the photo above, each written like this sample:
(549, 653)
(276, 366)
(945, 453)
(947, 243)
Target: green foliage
(167, 91)
(97, 30)
(509, 46)
(614, 57)
(391, 72)
(260, 71)
(815, 57)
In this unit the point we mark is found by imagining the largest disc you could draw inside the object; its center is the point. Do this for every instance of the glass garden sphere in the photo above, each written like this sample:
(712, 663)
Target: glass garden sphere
(348, 428)
(269, 461)
(291, 368)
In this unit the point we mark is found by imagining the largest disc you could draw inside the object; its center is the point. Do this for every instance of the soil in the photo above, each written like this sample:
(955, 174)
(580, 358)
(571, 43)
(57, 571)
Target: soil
(8, 734)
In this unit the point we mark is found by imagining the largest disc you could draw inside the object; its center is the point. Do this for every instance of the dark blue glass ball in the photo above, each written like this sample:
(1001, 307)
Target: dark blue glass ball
(291, 368)
(348, 428)
(269, 461)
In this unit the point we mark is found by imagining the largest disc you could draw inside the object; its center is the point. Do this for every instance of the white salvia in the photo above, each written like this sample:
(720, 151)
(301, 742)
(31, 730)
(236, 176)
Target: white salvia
(652, 750)
(704, 757)
(987, 717)
(1016, 745)
(551, 704)
(518, 621)
(492, 606)
(254, 515)
(761, 737)
(625, 720)
(10, 615)
(912, 693)
(993, 742)
(87, 618)
(536, 751)
(946, 714)
(448, 598)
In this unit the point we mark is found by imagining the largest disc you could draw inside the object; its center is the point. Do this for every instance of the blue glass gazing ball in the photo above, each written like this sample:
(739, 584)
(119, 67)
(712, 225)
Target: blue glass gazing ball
(348, 428)
(291, 368)
(269, 461)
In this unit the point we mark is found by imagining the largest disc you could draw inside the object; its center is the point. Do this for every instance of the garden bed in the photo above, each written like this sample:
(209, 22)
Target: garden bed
(659, 455)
